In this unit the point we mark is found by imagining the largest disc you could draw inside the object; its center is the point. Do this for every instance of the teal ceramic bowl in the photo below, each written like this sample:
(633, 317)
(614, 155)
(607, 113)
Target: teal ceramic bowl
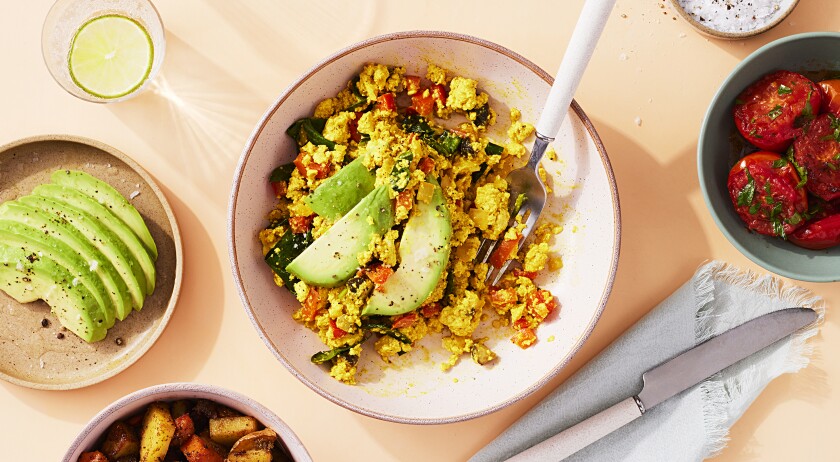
(804, 52)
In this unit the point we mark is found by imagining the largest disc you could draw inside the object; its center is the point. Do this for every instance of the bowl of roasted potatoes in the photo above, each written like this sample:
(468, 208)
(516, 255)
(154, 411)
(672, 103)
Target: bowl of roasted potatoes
(186, 422)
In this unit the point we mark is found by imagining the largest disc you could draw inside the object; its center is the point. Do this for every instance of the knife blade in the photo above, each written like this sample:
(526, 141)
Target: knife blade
(674, 376)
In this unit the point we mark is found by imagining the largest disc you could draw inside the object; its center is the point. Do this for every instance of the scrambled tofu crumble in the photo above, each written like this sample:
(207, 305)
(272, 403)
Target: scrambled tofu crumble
(383, 134)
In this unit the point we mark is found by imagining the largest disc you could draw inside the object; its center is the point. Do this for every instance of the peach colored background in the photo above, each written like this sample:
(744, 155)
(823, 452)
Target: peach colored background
(226, 61)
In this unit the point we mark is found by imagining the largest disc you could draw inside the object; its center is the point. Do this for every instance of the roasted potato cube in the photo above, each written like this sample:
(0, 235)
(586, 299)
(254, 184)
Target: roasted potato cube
(184, 428)
(94, 456)
(227, 430)
(122, 440)
(156, 433)
(196, 449)
(253, 447)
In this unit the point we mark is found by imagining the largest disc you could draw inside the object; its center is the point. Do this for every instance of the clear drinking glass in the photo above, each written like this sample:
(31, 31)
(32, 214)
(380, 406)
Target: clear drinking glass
(67, 17)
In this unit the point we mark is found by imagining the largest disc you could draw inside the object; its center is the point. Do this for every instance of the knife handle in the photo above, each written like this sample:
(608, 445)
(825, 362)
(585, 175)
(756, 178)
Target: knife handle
(575, 438)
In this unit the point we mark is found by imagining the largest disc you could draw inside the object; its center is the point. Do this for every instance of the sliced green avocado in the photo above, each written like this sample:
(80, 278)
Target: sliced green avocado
(342, 191)
(333, 257)
(106, 195)
(37, 247)
(14, 216)
(101, 238)
(74, 305)
(102, 216)
(424, 252)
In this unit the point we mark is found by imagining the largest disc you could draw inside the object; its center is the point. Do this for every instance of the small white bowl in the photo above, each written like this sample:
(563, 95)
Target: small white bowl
(413, 389)
(135, 402)
(750, 26)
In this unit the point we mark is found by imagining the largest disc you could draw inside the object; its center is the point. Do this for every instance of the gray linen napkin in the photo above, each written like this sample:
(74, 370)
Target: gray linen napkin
(693, 425)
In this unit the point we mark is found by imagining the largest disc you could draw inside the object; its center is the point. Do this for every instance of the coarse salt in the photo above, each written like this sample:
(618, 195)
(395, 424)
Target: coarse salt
(133, 194)
(735, 16)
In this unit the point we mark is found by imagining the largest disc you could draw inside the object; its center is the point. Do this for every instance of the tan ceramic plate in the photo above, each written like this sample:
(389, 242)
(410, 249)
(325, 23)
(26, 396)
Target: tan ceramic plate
(34, 356)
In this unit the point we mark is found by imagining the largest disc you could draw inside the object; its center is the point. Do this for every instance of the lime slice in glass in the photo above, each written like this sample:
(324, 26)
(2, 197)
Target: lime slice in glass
(110, 56)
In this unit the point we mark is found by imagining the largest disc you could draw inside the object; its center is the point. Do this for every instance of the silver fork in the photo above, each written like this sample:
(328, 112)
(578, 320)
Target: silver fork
(526, 180)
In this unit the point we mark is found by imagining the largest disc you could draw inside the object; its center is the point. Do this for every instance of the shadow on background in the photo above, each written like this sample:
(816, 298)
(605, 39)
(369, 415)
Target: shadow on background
(257, 23)
(810, 16)
(194, 116)
(196, 325)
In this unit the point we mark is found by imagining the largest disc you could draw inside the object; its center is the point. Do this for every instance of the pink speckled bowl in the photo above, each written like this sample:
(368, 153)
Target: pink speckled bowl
(135, 402)
(413, 389)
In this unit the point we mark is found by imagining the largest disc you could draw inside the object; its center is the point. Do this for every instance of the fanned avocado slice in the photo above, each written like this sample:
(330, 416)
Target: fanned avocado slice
(100, 237)
(74, 305)
(333, 257)
(109, 197)
(424, 253)
(341, 192)
(36, 248)
(57, 230)
(104, 217)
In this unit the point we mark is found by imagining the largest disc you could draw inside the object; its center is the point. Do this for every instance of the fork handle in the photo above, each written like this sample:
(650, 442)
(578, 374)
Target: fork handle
(590, 24)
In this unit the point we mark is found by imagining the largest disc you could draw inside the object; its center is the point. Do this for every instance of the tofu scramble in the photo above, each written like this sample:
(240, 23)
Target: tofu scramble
(380, 218)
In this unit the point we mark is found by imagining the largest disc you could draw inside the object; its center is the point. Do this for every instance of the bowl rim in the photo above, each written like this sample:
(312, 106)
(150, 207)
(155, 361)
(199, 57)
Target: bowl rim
(701, 144)
(290, 439)
(237, 178)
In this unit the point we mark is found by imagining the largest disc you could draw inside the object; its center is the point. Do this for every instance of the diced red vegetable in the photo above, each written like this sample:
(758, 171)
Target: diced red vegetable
(522, 273)
(524, 338)
(379, 273)
(405, 199)
(300, 225)
(439, 93)
(280, 188)
(386, 102)
(323, 170)
(404, 320)
(426, 165)
(412, 84)
(431, 310)
(423, 104)
(353, 128)
(337, 332)
(504, 252)
(311, 305)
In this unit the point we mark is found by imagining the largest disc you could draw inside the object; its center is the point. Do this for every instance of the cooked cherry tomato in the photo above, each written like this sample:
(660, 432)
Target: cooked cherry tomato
(769, 111)
(311, 305)
(831, 95)
(818, 151)
(353, 128)
(819, 234)
(767, 195)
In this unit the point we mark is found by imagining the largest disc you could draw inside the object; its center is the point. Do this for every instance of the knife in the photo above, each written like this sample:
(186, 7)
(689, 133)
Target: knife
(673, 376)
